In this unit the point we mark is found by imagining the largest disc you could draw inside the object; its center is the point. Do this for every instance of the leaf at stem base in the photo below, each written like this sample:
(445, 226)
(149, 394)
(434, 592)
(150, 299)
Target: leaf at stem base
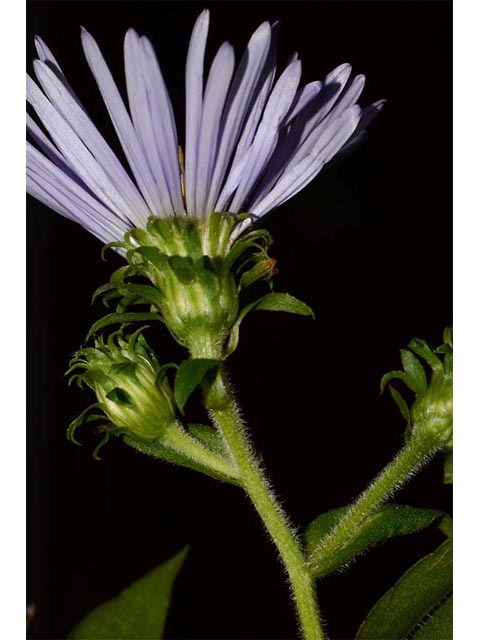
(137, 613)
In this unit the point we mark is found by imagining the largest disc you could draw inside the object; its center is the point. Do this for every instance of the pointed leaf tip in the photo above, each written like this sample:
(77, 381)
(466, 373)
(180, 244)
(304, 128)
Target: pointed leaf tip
(283, 302)
(140, 611)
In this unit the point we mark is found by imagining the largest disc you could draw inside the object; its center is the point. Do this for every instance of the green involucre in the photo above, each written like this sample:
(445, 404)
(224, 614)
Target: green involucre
(133, 394)
(431, 413)
(196, 271)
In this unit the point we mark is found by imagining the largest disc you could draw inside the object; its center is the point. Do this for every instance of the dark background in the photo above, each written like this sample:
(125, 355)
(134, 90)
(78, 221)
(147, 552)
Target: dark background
(367, 244)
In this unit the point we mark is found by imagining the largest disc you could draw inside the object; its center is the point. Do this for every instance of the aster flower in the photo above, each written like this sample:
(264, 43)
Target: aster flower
(253, 137)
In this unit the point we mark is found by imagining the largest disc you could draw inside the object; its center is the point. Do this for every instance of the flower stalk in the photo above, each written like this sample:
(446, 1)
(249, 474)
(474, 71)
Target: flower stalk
(409, 459)
(224, 413)
(429, 429)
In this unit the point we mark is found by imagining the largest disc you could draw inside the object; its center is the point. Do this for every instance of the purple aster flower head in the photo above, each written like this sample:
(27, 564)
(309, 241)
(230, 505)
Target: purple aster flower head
(254, 136)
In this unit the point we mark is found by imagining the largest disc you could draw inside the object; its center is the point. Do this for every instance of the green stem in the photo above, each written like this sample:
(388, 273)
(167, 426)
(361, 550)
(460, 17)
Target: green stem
(223, 410)
(179, 447)
(180, 441)
(406, 462)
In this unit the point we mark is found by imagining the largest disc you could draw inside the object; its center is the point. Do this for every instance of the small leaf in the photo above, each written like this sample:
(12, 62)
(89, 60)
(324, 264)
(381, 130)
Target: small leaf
(389, 521)
(121, 318)
(406, 608)
(139, 612)
(270, 302)
(283, 302)
(189, 375)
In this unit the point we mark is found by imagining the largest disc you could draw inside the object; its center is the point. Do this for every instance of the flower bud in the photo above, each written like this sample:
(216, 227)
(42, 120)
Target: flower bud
(133, 394)
(431, 414)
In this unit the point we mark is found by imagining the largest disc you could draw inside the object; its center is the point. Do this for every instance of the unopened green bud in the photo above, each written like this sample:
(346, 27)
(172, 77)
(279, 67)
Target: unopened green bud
(133, 394)
(431, 414)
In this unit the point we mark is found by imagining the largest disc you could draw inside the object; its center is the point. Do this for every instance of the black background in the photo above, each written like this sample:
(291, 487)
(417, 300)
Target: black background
(367, 244)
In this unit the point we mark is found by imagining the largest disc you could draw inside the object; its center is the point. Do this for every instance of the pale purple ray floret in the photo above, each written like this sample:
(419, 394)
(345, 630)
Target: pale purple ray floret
(253, 136)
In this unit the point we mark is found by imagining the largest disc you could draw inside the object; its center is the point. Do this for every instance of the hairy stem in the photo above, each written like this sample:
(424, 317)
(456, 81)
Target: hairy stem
(392, 477)
(179, 447)
(223, 410)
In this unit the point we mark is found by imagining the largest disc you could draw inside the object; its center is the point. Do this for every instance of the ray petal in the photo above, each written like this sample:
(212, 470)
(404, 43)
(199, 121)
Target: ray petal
(77, 154)
(249, 129)
(266, 137)
(163, 120)
(120, 117)
(142, 120)
(214, 101)
(238, 102)
(331, 141)
(194, 103)
(76, 117)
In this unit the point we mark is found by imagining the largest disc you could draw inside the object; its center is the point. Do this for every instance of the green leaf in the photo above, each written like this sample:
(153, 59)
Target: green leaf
(139, 612)
(270, 302)
(439, 626)
(448, 468)
(209, 436)
(389, 521)
(408, 606)
(189, 375)
(283, 302)
(121, 318)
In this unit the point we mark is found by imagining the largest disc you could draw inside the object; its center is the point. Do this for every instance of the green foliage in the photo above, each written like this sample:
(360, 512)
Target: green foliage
(418, 605)
(189, 375)
(139, 612)
(270, 302)
(388, 522)
(283, 302)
